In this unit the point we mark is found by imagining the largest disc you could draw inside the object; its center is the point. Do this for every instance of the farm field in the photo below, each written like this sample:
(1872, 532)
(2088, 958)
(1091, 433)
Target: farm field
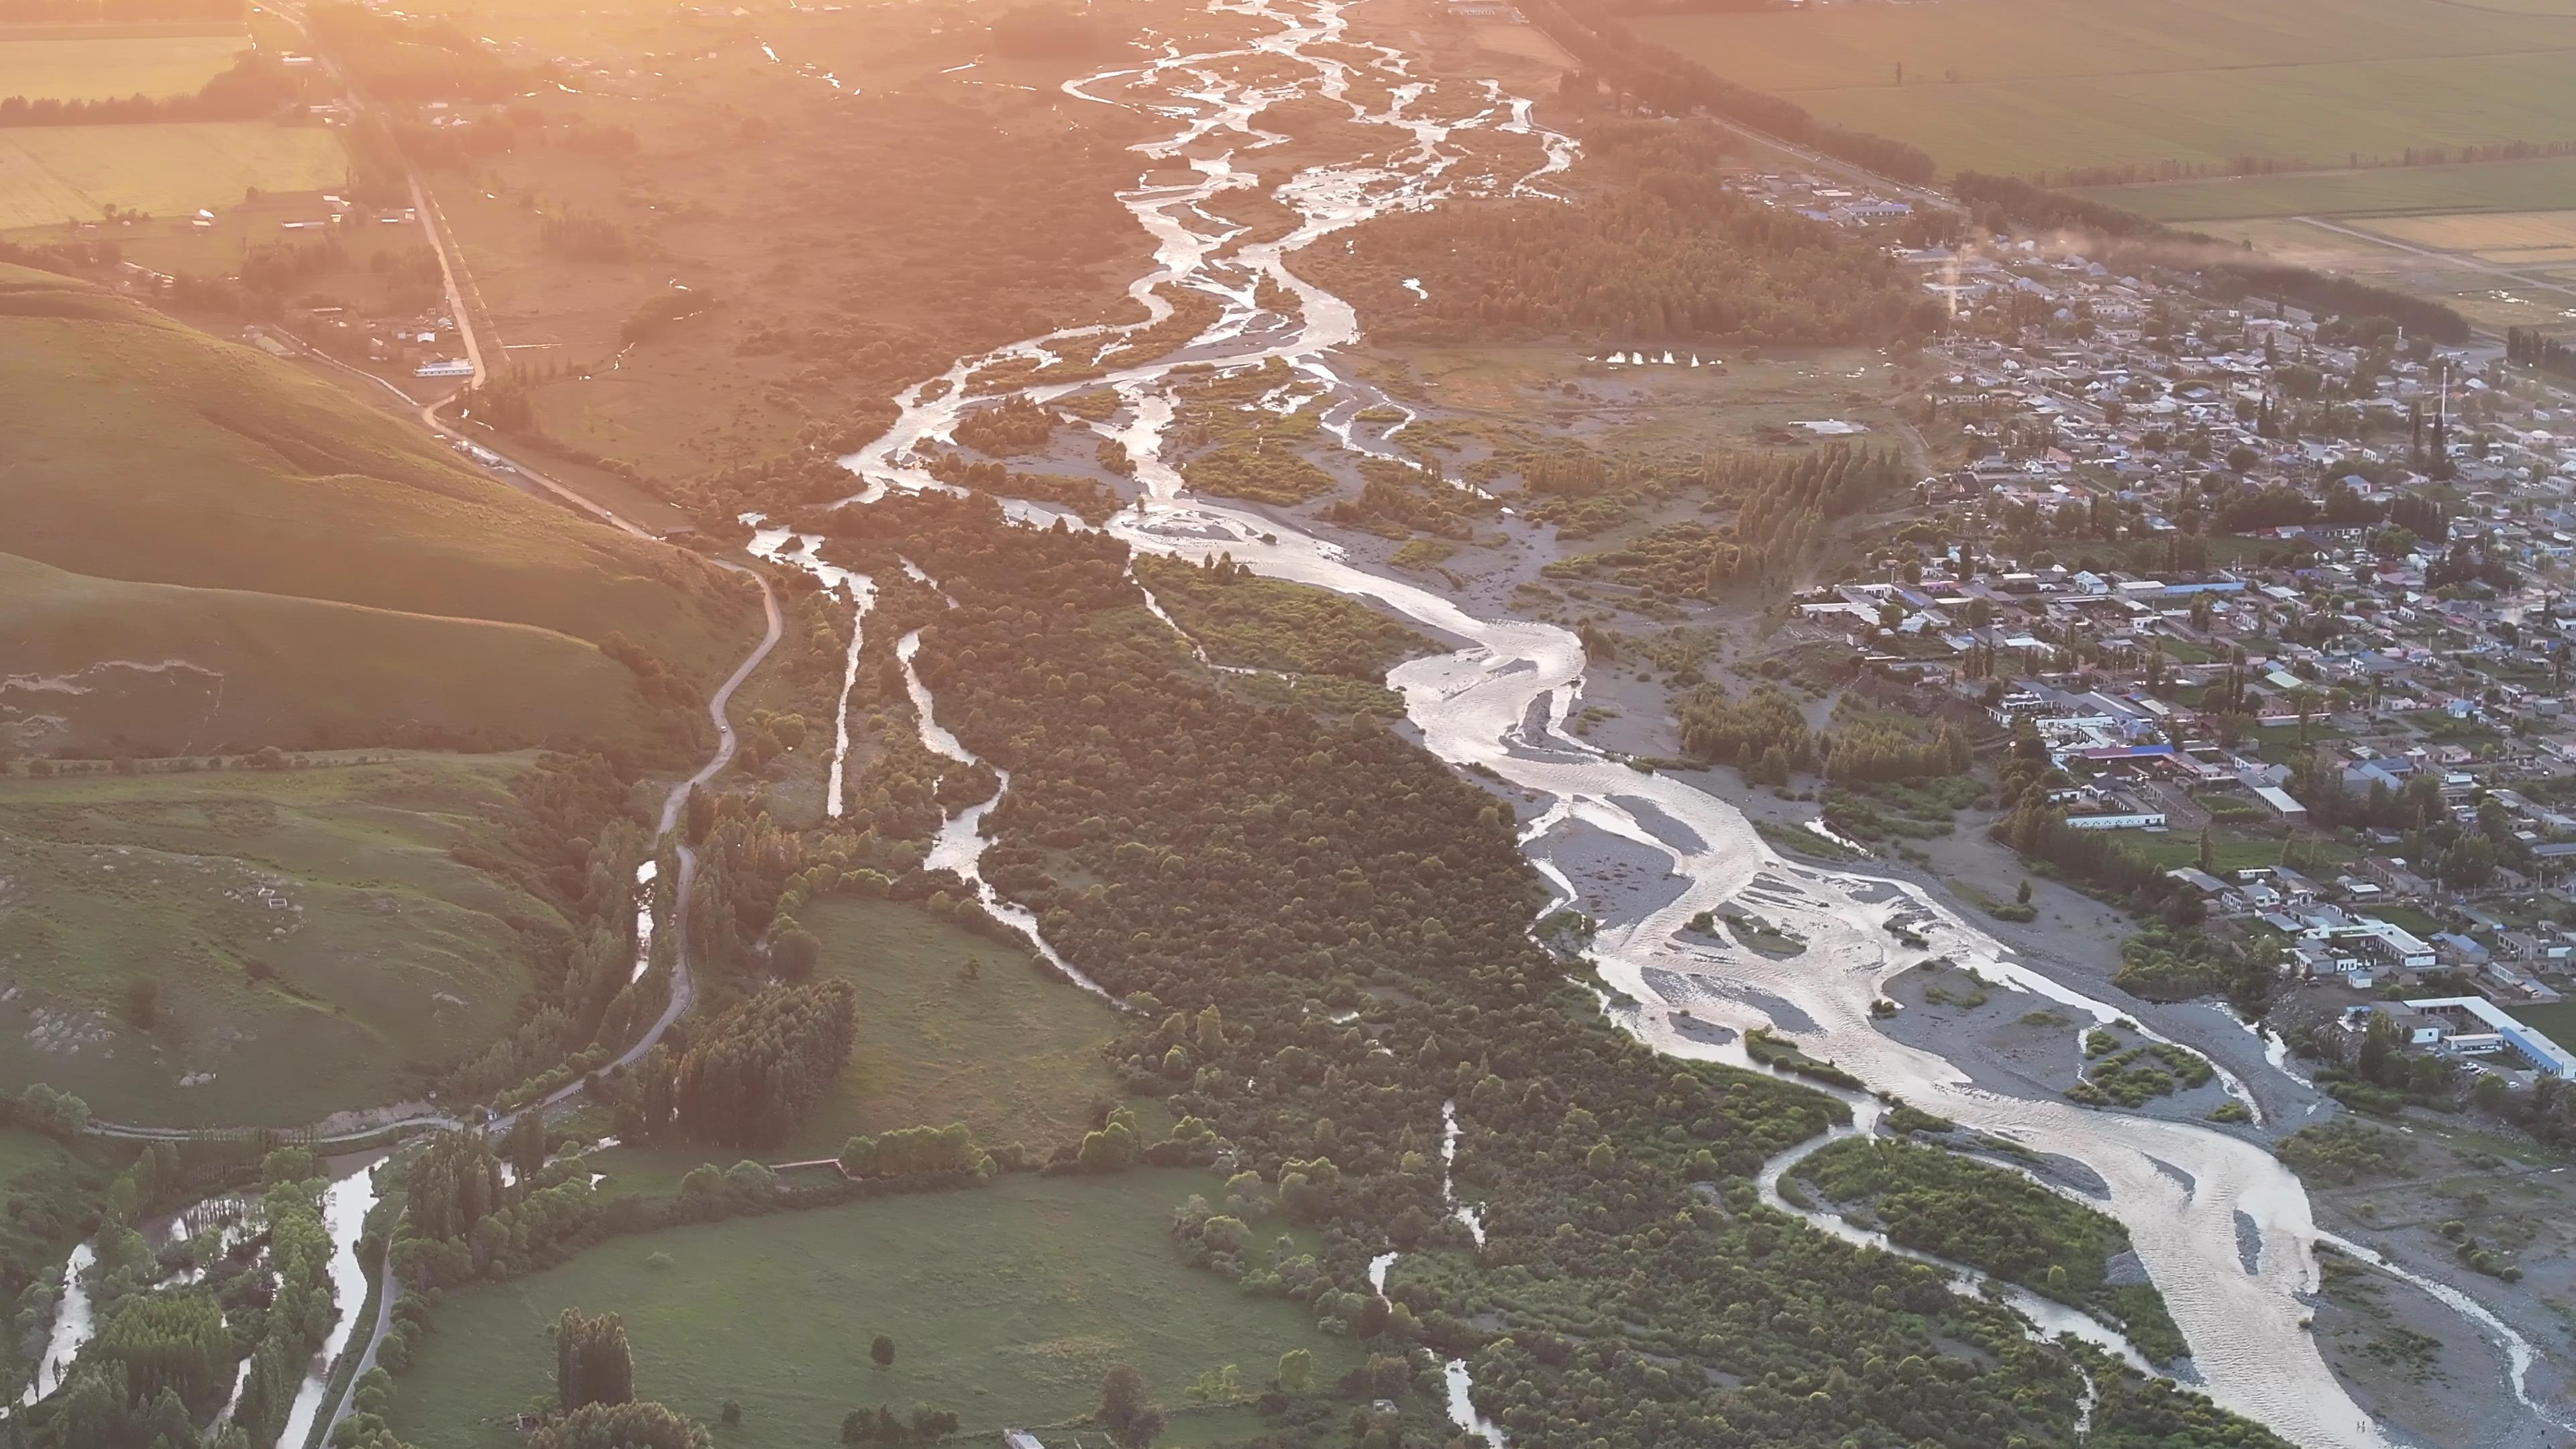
(381, 954)
(1006, 1304)
(2505, 186)
(2533, 295)
(51, 173)
(112, 66)
(2026, 86)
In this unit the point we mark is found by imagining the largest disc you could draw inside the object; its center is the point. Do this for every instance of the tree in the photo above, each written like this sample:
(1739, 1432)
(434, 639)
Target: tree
(593, 1364)
(882, 1351)
(793, 951)
(143, 1003)
(527, 1143)
(1126, 1409)
(621, 1426)
(1296, 1371)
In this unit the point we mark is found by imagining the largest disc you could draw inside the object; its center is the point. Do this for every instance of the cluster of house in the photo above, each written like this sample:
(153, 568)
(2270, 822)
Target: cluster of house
(1834, 202)
(2468, 1028)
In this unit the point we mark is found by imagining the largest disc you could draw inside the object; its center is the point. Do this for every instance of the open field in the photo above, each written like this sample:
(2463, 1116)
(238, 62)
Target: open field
(2033, 85)
(48, 173)
(310, 938)
(1014, 1053)
(2557, 1020)
(2513, 186)
(111, 66)
(140, 450)
(1006, 1304)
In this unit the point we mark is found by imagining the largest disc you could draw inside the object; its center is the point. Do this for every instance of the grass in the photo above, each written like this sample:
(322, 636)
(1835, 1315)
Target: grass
(143, 451)
(386, 955)
(2499, 186)
(49, 174)
(2409, 918)
(1262, 623)
(2557, 1020)
(1014, 1053)
(113, 65)
(1007, 1304)
(23, 1152)
(94, 670)
(2030, 85)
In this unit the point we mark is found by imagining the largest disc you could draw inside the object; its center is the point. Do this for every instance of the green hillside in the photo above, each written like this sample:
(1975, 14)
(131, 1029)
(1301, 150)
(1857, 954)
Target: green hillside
(134, 449)
(158, 669)
(311, 941)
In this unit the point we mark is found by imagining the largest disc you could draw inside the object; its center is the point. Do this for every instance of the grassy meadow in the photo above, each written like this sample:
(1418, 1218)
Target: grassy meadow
(310, 938)
(1007, 1304)
(112, 64)
(49, 174)
(2033, 85)
(143, 451)
(1014, 1053)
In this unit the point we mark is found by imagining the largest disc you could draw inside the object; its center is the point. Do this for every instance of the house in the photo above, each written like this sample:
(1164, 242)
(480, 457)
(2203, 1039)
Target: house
(2283, 803)
(2392, 873)
(2525, 1042)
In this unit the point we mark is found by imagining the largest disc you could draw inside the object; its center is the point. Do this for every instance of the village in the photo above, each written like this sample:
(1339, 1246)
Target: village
(2285, 586)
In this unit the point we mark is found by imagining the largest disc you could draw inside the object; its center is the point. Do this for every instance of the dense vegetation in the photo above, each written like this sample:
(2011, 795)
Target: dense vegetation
(1659, 251)
(1784, 507)
(755, 1071)
(255, 86)
(1222, 865)
(1257, 623)
(1997, 1220)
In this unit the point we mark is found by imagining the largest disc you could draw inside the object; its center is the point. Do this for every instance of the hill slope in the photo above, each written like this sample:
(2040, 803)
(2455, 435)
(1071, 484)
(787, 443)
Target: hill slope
(164, 669)
(135, 450)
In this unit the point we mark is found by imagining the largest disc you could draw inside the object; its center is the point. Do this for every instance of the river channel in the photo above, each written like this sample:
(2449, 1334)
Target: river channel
(2193, 1199)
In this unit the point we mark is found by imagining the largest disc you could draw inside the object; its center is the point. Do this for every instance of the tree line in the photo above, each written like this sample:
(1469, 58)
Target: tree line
(2530, 347)
(256, 85)
(1658, 251)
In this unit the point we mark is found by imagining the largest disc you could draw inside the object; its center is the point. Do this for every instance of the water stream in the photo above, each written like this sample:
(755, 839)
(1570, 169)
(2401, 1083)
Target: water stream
(2180, 1188)
(344, 1212)
(75, 1320)
(643, 919)
(959, 845)
(861, 591)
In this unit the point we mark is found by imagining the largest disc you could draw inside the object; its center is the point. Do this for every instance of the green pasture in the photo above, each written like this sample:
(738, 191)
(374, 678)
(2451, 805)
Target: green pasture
(1007, 1304)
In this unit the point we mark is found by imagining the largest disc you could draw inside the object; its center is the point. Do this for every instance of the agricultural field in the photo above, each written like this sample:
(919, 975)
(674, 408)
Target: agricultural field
(2501, 186)
(111, 65)
(52, 173)
(2029, 86)
(310, 943)
(1006, 1304)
